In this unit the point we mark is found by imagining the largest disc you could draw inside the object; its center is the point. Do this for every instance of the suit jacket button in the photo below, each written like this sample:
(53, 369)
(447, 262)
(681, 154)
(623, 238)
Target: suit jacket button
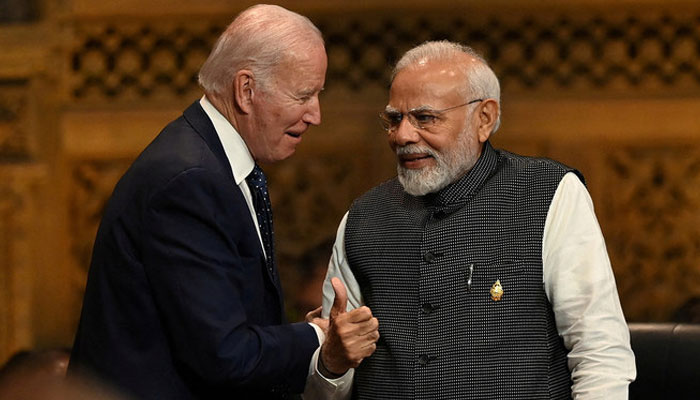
(429, 257)
(423, 359)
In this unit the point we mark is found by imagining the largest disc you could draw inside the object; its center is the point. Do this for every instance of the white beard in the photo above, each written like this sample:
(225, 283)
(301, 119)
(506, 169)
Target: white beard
(449, 166)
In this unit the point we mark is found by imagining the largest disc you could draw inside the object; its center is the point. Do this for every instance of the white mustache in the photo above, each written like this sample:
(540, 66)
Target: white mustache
(415, 149)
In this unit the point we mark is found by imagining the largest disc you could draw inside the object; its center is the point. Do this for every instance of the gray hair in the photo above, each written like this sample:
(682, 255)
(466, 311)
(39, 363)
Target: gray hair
(260, 39)
(481, 82)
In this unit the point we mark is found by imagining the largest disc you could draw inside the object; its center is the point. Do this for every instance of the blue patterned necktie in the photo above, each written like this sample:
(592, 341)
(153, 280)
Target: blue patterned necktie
(261, 201)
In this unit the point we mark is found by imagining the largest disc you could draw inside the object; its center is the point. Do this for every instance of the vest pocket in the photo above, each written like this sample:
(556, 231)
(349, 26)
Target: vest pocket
(493, 281)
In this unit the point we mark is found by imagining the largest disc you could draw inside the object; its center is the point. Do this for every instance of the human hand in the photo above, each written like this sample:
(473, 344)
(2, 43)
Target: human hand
(351, 336)
(314, 317)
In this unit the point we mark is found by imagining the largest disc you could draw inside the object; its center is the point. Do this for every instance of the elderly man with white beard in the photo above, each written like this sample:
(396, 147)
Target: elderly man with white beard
(487, 270)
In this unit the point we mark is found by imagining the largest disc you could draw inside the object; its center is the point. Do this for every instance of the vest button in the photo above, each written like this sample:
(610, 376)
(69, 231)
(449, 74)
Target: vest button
(423, 359)
(429, 257)
(427, 308)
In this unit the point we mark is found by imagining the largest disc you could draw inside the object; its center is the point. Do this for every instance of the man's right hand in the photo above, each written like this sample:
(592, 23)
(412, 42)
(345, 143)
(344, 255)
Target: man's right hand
(351, 336)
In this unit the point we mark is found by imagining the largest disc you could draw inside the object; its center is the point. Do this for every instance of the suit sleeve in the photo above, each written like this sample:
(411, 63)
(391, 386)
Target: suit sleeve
(203, 268)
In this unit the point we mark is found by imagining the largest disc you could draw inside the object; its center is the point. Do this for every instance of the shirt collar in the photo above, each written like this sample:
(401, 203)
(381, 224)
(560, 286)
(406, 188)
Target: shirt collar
(234, 146)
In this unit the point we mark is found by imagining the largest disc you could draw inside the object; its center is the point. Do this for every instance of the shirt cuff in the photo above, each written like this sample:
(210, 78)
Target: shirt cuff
(320, 387)
(319, 333)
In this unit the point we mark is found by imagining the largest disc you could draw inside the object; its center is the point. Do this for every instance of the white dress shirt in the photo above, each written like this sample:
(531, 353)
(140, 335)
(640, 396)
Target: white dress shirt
(238, 156)
(579, 283)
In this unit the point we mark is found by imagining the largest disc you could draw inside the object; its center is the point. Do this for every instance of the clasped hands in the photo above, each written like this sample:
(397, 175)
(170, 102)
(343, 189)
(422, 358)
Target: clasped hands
(351, 336)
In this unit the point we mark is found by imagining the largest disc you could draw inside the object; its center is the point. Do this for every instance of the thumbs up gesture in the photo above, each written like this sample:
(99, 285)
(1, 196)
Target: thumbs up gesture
(351, 336)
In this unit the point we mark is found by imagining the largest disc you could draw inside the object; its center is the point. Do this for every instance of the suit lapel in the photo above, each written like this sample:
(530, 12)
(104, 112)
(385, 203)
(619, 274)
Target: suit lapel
(201, 123)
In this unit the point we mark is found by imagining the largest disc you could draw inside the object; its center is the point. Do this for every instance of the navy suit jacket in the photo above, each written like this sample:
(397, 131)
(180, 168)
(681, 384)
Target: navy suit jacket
(179, 303)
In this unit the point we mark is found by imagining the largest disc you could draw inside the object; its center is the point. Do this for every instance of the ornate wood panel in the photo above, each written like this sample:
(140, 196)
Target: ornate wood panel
(609, 87)
(558, 48)
(651, 211)
(19, 208)
(594, 53)
(16, 141)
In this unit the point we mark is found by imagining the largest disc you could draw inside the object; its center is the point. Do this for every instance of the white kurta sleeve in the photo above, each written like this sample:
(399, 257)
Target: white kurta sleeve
(580, 285)
(317, 386)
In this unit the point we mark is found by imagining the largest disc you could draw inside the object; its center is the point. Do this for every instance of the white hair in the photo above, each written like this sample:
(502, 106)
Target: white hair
(482, 82)
(259, 39)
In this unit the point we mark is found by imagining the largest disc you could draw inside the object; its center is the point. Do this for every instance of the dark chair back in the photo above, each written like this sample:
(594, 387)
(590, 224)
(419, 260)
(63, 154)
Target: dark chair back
(668, 361)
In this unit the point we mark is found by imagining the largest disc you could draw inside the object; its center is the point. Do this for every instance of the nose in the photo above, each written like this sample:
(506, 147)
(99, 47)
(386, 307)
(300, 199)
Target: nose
(313, 113)
(404, 134)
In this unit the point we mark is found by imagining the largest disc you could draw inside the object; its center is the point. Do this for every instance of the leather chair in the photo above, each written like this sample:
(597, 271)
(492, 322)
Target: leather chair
(668, 361)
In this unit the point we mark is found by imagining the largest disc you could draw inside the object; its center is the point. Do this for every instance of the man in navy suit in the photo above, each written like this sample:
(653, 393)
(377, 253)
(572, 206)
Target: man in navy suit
(183, 299)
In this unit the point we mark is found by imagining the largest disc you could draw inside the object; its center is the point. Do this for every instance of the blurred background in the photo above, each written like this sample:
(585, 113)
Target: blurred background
(611, 87)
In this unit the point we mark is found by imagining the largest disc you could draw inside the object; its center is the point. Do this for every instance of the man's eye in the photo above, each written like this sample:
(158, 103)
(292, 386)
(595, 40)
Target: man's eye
(394, 118)
(425, 118)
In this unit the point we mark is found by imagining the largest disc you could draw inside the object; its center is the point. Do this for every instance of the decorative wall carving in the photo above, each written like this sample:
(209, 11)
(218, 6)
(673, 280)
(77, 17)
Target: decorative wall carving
(92, 184)
(19, 190)
(18, 210)
(595, 53)
(140, 60)
(653, 226)
(9, 201)
(146, 66)
(14, 138)
(310, 194)
(572, 50)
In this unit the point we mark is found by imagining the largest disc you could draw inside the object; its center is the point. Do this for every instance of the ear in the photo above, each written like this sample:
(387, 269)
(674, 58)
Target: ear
(244, 90)
(488, 115)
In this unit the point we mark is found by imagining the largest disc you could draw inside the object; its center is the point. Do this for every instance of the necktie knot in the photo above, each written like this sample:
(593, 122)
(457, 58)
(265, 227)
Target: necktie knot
(257, 178)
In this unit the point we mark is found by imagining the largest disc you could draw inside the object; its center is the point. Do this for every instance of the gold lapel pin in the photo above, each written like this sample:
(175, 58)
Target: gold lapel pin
(496, 291)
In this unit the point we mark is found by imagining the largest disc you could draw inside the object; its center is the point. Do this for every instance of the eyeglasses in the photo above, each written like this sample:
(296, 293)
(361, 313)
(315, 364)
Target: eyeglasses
(421, 117)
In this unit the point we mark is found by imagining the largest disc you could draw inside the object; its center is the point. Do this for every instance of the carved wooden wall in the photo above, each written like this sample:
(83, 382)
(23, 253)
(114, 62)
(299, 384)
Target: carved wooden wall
(612, 89)
(21, 182)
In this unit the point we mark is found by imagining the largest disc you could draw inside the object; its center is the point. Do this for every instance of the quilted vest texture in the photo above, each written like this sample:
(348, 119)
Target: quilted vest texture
(426, 266)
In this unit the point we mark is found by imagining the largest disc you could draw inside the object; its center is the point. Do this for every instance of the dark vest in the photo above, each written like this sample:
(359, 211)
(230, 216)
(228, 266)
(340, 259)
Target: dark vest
(425, 266)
